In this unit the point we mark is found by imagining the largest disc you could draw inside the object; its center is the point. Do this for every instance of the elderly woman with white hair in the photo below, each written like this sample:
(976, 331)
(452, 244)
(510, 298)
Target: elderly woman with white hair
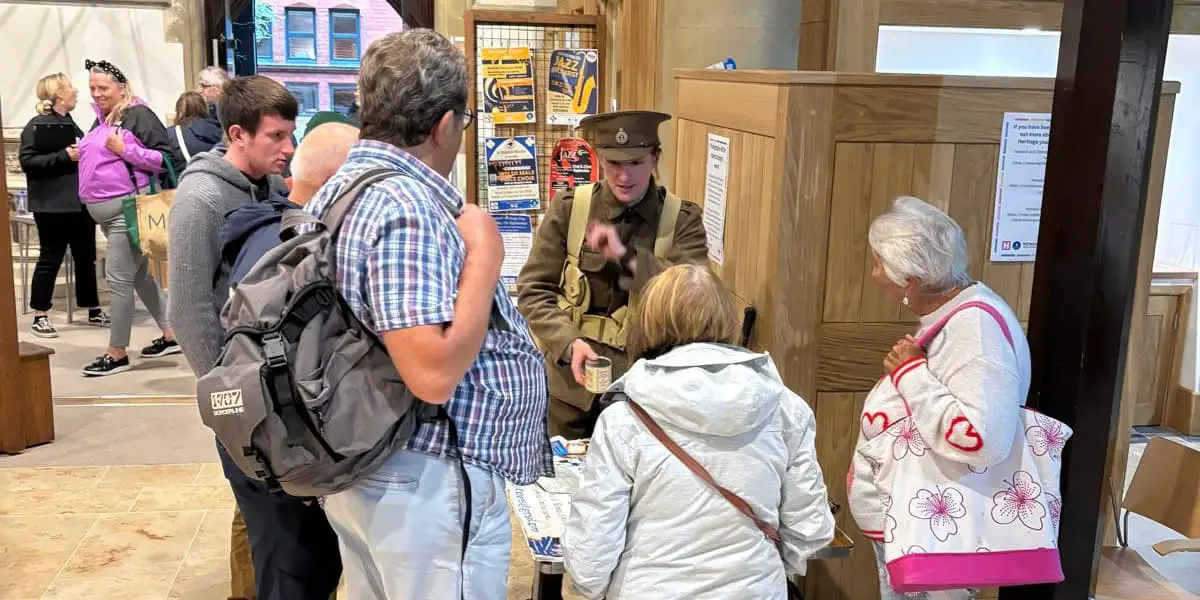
(964, 388)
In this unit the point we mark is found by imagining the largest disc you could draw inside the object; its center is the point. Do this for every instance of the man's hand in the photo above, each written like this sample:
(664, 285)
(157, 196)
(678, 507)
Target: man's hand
(481, 236)
(73, 152)
(115, 142)
(902, 352)
(603, 238)
(581, 352)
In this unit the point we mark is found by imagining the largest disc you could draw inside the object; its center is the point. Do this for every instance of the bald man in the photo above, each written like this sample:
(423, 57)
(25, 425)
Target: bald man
(320, 154)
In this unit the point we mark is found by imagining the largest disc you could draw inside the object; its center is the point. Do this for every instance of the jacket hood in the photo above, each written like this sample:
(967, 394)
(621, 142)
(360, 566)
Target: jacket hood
(232, 180)
(710, 389)
(207, 130)
(247, 219)
(100, 116)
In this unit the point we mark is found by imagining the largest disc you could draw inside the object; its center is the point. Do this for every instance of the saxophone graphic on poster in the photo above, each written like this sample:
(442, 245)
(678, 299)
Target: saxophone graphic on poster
(508, 85)
(573, 86)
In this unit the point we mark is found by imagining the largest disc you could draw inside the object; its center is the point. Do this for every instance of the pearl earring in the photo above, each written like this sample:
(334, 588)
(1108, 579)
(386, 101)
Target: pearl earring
(904, 301)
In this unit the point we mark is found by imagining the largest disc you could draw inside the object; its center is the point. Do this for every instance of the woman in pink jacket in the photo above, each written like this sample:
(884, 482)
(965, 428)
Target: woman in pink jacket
(124, 149)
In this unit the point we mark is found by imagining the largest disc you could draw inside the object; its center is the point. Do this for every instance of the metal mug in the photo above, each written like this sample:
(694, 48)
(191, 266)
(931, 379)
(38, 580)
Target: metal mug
(597, 374)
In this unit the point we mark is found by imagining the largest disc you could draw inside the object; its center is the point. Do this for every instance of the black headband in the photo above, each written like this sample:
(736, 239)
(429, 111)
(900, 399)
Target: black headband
(106, 67)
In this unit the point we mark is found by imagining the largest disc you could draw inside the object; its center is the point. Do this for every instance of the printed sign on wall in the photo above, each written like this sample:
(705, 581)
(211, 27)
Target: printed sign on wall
(508, 84)
(512, 174)
(1024, 141)
(574, 86)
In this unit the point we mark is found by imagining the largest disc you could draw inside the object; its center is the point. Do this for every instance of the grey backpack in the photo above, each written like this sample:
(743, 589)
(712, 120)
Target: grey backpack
(304, 396)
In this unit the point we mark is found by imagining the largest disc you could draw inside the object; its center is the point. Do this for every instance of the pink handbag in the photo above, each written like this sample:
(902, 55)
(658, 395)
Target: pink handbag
(949, 526)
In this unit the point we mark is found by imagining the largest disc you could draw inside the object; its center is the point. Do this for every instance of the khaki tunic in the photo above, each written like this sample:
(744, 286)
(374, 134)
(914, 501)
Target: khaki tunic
(538, 284)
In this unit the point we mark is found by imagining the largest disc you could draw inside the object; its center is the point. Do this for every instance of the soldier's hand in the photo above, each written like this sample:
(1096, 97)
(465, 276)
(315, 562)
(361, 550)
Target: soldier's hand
(581, 352)
(603, 238)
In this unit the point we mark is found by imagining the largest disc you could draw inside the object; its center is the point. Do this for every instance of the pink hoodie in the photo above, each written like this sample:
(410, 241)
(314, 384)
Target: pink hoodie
(102, 173)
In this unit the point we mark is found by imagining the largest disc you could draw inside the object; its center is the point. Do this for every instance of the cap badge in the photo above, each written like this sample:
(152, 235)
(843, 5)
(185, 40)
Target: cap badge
(622, 137)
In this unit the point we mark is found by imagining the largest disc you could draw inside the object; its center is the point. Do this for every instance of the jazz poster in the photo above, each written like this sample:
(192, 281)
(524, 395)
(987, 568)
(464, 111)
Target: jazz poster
(508, 94)
(572, 163)
(512, 171)
(574, 86)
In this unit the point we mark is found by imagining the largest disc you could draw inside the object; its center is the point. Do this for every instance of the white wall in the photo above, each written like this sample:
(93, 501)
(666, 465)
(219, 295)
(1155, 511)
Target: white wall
(38, 38)
(1035, 54)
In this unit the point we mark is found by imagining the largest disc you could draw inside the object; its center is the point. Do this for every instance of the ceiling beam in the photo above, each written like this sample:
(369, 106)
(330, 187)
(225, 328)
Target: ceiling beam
(1006, 14)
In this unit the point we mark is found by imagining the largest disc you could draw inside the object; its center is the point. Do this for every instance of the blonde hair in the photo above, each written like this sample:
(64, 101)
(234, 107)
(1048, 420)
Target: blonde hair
(48, 89)
(118, 111)
(685, 304)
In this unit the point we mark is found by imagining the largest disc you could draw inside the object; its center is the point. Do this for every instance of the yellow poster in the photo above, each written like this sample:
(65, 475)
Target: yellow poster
(508, 84)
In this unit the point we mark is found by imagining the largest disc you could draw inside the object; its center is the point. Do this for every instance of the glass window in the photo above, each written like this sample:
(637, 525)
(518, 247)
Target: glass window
(264, 32)
(345, 38)
(341, 96)
(307, 95)
(301, 26)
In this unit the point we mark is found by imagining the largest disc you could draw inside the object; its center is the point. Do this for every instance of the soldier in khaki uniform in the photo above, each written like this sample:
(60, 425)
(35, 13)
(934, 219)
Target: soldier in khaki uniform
(597, 247)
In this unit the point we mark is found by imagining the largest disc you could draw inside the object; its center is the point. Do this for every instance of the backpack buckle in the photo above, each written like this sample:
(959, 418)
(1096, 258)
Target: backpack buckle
(275, 350)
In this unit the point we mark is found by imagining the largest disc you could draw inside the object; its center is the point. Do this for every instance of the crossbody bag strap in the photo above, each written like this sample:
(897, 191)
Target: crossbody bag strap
(187, 156)
(695, 467)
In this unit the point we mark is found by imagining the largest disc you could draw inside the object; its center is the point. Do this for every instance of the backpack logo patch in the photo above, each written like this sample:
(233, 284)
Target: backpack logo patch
(228, 402)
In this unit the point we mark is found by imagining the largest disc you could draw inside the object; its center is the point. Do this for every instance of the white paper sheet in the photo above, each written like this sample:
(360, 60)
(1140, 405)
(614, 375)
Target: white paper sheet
(1024, 140)
(716, 186)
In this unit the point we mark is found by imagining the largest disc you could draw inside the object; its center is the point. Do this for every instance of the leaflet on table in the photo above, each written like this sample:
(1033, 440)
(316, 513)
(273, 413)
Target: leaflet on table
(512, 170)
(574, 91)
(572, 163)
(508, 84)
(517, 233)
(542, 515)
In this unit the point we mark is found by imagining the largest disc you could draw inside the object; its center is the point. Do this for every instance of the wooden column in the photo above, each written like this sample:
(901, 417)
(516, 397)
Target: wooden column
(1097, 176)
(638, 54)
(12, 417)
(839, 35)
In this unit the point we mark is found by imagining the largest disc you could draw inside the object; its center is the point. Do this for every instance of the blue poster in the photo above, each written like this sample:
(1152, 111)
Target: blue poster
(574, 86)
(512, 169)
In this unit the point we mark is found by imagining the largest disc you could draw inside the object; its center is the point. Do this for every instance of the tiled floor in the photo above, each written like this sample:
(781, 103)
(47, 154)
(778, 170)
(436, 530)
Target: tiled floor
(154, 532)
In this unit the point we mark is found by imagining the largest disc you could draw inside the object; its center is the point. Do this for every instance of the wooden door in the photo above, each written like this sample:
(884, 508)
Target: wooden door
(1157, 359)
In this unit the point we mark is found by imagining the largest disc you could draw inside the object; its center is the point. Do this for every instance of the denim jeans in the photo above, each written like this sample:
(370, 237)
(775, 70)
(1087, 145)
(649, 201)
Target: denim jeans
(400, 532)
(887, 593)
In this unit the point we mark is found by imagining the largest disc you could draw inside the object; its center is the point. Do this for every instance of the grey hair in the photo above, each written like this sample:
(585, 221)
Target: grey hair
(407, 81)
(214, 76)
(916, 241)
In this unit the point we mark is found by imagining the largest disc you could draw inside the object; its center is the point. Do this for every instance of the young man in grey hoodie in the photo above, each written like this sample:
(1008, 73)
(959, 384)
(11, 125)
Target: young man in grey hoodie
(294, 550)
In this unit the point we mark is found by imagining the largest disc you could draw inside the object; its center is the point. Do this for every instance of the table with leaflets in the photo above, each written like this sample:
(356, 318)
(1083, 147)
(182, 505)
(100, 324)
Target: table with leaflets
(543, 507)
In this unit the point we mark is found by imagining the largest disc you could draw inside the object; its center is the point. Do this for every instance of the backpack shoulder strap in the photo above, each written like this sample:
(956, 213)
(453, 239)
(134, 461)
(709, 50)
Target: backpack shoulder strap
(581, 207)
(666, 225)
(341, 205)
(298, 217)
(695, 467)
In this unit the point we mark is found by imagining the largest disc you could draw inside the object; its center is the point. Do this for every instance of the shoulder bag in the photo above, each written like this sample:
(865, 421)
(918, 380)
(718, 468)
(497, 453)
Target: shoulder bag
(949, 525)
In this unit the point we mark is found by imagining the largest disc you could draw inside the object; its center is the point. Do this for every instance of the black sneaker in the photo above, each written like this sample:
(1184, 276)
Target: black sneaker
(161, 347)
(42, 328)
(97, 318)
(106, 365)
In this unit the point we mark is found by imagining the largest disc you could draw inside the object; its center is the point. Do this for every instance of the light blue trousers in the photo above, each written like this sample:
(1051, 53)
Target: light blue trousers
(400, 532)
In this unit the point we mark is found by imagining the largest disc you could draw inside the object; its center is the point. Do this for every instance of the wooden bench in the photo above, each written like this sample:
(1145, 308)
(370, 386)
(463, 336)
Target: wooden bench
(33, 394)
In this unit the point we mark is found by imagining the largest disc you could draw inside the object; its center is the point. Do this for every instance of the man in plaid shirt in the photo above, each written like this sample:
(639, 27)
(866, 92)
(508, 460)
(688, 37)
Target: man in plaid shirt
(428, 284)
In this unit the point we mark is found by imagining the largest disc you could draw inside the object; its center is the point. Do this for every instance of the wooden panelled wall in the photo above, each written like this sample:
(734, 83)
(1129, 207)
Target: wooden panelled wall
(1004, 14)
(811, 165)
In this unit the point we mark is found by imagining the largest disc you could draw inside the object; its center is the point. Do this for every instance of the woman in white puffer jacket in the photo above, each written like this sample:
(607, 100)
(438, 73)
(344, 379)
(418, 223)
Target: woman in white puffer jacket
(642, 524)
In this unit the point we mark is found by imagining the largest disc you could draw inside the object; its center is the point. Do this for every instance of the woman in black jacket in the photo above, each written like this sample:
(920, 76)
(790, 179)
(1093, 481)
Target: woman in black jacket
(52, 174)
(194, 130)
